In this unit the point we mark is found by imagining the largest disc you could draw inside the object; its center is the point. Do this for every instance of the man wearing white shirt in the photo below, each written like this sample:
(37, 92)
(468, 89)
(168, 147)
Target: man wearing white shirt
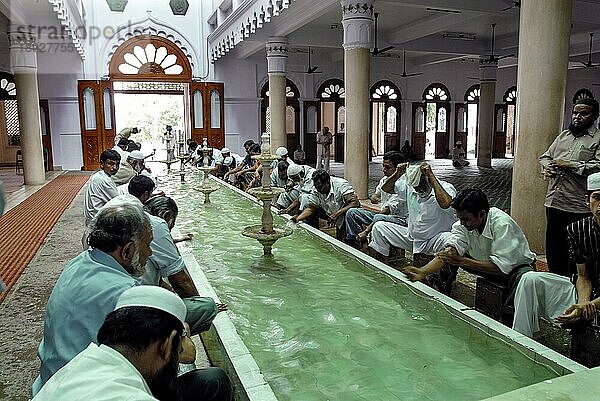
(331, 199)
(359, 221)
(485, 241)
(301, 187)
(140, 346)
(429, 215)
(100, 189)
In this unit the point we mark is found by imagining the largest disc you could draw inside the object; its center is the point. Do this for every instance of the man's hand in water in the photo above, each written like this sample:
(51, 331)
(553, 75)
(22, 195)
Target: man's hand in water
(185, 237)
(221, 307)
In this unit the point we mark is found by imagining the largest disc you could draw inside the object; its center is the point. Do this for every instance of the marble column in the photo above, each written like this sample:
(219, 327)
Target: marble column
(277, 54)
(544, 33)
(23, 59)
(487, 101)
(357, 19)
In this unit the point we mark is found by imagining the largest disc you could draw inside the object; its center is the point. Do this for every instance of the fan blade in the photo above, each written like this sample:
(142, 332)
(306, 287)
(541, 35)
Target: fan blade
(506, 56)
(477, 79)
(312, 69)
(414, 74)
(596, 84)
(385, 49)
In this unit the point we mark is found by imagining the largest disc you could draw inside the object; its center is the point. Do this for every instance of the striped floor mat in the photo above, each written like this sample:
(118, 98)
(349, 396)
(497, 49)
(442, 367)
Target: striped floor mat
(24, 228)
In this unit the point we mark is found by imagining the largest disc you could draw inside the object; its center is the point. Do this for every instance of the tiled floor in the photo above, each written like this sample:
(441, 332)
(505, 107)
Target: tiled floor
(14, 190)
(495, 182)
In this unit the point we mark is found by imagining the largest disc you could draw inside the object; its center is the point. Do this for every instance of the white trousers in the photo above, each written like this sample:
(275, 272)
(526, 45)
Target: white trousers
(385, 235)
(541, 294)
(322, 155)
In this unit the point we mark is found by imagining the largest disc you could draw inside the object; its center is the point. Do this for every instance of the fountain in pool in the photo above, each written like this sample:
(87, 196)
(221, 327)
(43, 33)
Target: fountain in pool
(206, 187)
(266, 233)
(182, 156)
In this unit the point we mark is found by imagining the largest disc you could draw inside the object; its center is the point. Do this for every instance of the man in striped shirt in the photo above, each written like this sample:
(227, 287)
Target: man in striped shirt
(553, 296)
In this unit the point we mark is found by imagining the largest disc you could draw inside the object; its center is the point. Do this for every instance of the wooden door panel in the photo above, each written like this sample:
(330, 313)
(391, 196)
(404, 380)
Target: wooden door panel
(310, 137)
(418, 137)
(215, 136)
(499, 149)
(442, 139)
(91, 139)
(47, 136)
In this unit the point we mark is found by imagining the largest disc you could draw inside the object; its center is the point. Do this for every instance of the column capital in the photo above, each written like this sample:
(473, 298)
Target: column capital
(23, 52)
(277, 54)
(357, 19)
(488, 69)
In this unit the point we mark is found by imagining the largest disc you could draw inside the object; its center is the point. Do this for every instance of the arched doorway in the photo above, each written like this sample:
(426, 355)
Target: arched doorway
(505, 125)
(431, 123)
(10, 131)
(385, 117)
(292, 113)
(332, 96)
(148, 64)
(471, 120)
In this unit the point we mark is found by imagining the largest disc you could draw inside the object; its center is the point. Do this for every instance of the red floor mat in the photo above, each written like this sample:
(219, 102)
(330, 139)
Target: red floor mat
(24, 228)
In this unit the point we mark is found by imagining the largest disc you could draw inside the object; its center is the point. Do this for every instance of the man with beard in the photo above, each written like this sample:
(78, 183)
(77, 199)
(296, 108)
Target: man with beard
(572, 157)
(88, 288)
(137, 356)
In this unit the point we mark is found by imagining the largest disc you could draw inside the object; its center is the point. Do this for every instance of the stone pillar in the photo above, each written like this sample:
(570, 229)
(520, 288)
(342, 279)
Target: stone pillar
(23, 59)
(544, 33)
(487, 101)
(277, 54)
(357, 19)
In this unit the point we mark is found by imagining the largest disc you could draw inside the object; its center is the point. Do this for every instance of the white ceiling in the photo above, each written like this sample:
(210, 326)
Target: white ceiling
(413, 26)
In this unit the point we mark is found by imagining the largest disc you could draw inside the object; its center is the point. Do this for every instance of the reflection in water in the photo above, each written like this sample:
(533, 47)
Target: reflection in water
(321, 326)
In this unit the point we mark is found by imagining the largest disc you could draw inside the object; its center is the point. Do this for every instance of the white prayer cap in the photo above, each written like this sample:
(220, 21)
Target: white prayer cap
(152, 296)
(281, 151)
(413, 176)
(137, 155)
(225, 150)
(227, 161)
(294, 169)
(593, 182)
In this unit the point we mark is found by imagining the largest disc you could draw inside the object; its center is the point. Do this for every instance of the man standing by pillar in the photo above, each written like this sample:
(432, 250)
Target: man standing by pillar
(324, 140)
(277, 50)
(573, 156)
(23, 58)
(357, 19)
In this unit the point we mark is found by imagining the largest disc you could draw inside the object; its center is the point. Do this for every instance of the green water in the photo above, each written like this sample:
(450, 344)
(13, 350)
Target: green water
(321, 326)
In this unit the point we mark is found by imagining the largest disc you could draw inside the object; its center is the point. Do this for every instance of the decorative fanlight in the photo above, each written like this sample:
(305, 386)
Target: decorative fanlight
(511, 96)
(333, 90)
(436, 93)
(149, 60)
(8, 87)
(473, 95)
(385, 90)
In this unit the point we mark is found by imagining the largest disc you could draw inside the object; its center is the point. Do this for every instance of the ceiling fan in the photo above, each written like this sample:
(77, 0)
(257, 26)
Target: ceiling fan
(492, 58)
(377, 51)
(515, 4)
(589, 63)
(404, 74)
(309, 69)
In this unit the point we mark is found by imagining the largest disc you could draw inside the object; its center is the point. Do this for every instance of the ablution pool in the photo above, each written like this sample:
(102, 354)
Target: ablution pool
(320, 321)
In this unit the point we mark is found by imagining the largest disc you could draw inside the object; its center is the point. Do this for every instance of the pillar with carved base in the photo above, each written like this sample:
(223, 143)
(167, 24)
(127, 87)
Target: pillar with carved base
(23, 58)
(357, 19)
(277, 53)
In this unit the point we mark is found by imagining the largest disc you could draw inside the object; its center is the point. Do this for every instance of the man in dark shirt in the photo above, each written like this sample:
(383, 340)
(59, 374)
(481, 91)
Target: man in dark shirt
(573, 156)
(553, 296)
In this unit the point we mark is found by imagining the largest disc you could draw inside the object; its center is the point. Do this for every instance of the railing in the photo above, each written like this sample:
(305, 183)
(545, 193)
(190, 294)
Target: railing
(242, 22)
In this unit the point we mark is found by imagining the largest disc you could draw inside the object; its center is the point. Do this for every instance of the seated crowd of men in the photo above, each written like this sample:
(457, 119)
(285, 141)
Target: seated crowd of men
(110, 294)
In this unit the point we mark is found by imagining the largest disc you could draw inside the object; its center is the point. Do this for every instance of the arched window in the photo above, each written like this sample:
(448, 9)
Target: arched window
(472, 94)
(89, 109)
(198, 110)
(508, 121)
(215, 109)
(583, 94)
(385, 109)
(292, 95)
(332, 89)
(436, 92)
(8, 96)
(8, 89)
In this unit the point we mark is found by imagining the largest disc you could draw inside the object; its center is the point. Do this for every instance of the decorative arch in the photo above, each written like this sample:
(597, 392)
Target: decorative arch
(385, 116)
(436, 92)
(144, 58)
(331, 90)
(472, 94)
(148, 26)
(510, 96)
(292, 96)
(583, 93)
(8, 88)
(385, 90)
